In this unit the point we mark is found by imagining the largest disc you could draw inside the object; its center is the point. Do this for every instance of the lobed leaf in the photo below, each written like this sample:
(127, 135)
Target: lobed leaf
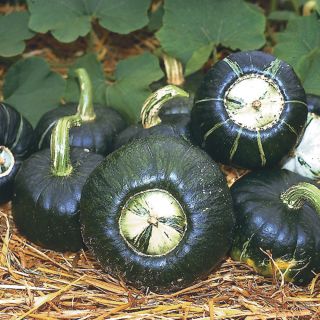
(13, 32)
(299, 45)
(131, 88)
(69, 19)
(197, 25)
(32, 88)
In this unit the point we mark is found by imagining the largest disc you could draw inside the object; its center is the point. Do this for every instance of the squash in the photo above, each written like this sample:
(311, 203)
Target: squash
(100, 124)
(305, 158)
(16, 137)
(313, 102)
(278, 224)
(45, 206)
(165, 112)
(158, 213)
(249, 110)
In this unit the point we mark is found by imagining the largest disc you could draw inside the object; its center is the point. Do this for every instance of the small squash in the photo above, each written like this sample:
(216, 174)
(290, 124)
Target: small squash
(277, 213)
(45, 206)
(305, 158)
(100, 124)
(165, 112)
(16, 137)
(249, 110)
(164, 219)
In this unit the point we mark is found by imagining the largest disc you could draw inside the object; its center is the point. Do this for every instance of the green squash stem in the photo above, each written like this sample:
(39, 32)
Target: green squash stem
(85, 108)
(297, 195)
(152, 105)
(59, 145)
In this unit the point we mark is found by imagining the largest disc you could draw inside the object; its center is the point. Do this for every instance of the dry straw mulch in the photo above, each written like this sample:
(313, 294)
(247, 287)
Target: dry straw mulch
(43, 284)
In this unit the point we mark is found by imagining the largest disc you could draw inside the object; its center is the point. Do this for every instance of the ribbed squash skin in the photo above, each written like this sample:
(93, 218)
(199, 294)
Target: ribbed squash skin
(187, 173)
(16, 133)
(175, 121)
(45, 207)
(96, 136)
(266, 225)
(228, 142)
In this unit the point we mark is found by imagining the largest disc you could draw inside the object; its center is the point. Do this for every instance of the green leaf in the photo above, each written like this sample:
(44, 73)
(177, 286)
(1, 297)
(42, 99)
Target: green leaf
(189, 27)
(13, 31)
(312, 81)
(318, 5)
(32, 88)
(299, 45)
(198, 59)
(96, 73)
(155, 19)
(131, 88)
(69, 19)
(121, 16)
(282, 15)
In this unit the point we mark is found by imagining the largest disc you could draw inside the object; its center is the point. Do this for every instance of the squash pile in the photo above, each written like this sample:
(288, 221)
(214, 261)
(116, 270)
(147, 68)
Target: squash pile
(150, 201)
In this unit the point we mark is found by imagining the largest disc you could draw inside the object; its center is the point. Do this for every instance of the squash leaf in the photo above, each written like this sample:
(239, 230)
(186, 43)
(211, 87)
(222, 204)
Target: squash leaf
(69, 19)
(198, 59)
(32, 88)
(155, 19)
(13, 31)
(131, 88)
(188, 28)
(96, 73)
(282, 15)
(299, 45)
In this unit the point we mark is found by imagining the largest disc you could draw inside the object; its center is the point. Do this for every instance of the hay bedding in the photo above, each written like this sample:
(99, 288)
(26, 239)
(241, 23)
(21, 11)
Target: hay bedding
(41, 284)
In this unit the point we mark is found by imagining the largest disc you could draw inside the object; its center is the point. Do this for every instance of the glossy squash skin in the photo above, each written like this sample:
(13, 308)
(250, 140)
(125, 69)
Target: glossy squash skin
(249, 110)
(266, 225)
(96, 136)
(46, 202)
(177, 106)
(16, 134)
(45, 207)
(313, 102)
(175, 121)
(171, 125)
(170, 168)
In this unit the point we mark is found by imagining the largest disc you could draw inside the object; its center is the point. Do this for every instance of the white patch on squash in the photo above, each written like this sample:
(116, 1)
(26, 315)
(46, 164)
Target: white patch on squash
(152, 222)
(254, 102)
(306, 158)
(6, 161)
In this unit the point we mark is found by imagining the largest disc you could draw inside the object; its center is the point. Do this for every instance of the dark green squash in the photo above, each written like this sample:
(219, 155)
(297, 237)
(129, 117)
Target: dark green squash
(277, 213)
(45, 206)
(16, 137)
(100, 124)
(313, 102)
(249, 110)
(305, 158)
(157, 212)
(166, 112)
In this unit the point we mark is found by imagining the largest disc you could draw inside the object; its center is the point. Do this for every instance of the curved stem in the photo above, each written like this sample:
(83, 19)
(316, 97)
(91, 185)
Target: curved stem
(309, 7)
(174, 70)
(151, 107)
(85, 108)
(59, 145)
(297, 195)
